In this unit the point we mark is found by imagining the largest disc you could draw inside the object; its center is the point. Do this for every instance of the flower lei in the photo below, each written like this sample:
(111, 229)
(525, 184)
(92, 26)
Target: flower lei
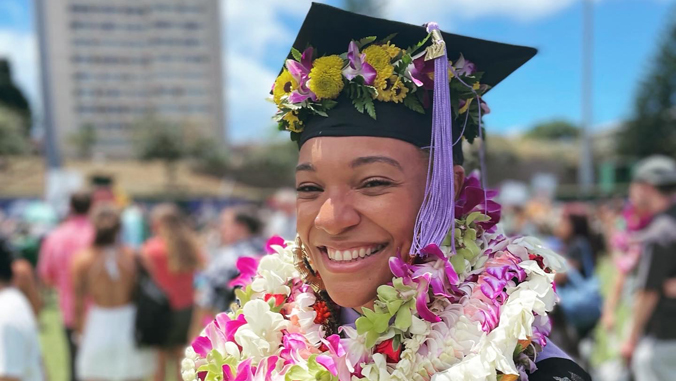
(372, 70)
(480, 315)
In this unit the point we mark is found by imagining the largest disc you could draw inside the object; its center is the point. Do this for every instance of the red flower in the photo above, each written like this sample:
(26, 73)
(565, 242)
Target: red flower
(323, 312)
(279, 298)
(387, 348)
(540, 261)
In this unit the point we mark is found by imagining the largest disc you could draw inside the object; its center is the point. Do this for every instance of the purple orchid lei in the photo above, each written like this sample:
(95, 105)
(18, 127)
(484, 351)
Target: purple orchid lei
(476, 313)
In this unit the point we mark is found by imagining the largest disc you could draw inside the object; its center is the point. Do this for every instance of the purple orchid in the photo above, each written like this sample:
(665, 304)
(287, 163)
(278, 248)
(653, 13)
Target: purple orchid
(440, 269)
(295, 348)
(247, 267)
(473, 198)
(221, 330)
(419, 71)
(421, 301)
(300, 71)
(275, 240)
(358, 66)
(464, 67)
(337, 361)
(246, 372)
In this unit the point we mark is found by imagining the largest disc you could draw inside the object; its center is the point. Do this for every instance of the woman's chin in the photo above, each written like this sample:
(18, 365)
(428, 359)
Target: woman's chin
(348, 298)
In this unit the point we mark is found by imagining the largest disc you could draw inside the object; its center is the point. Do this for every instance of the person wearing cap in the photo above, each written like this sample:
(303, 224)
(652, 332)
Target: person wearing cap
(398, 270)
(651, 345)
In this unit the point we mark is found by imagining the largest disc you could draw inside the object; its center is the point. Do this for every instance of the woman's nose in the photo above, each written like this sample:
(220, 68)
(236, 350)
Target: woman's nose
(336, 215)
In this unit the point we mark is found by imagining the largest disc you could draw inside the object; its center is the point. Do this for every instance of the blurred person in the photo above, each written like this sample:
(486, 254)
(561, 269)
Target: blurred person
(133, 226)
(20, 358)
(55, 261)
(24, 280)
(240, 229)
(651, 345)
(172, 256)
(577, 287)
(105, 274)
(282, 221)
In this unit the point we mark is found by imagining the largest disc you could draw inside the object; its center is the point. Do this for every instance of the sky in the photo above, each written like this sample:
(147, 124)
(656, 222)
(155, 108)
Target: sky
(257, 35)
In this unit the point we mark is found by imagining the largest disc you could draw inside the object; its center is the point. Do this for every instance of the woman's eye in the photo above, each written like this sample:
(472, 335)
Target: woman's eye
(374, 183)
(308, 189)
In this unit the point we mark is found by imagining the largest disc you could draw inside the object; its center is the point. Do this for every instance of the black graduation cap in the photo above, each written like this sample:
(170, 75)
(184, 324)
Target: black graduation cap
(329, 30)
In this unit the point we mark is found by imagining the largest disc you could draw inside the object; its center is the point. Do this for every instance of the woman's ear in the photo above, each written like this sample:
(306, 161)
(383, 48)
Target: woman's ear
(459, 178)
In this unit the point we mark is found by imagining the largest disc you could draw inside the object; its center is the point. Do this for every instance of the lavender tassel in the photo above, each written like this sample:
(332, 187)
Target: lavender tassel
(437, 213)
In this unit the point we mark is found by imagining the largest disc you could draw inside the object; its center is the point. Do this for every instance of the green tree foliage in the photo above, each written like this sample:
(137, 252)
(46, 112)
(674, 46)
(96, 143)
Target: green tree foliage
(13, 141)
(158, 139)
(554, 130)
(12, 98)
(84, 140)
(271, 165)
(652, 129)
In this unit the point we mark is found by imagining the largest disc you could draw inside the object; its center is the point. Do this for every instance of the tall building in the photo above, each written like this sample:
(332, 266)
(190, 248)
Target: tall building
(110, 63)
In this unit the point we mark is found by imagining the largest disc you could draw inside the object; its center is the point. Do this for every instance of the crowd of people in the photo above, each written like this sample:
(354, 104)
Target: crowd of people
(94, 260)
(94, 257)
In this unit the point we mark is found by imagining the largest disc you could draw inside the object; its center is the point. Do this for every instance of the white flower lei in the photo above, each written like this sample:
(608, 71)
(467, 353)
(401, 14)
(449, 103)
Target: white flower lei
(489, 323)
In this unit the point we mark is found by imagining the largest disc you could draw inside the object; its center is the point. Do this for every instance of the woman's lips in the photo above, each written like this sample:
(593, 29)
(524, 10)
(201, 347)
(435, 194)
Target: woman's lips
(347, 260)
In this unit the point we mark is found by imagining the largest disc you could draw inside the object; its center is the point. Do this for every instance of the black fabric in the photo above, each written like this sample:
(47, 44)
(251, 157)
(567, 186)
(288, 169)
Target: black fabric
(180, 325)
(658, 263)
(72, 351)
(153, 311)
(329, 30)
(559, 369)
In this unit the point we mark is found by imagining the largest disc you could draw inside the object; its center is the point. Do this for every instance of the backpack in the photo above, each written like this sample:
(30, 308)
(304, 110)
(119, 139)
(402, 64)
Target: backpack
(153, 311)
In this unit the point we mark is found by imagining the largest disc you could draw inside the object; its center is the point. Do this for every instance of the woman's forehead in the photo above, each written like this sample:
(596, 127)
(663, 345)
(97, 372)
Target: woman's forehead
(330, 149)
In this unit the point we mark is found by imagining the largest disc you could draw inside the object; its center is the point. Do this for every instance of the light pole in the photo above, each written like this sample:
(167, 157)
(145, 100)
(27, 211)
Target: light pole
(585, 173)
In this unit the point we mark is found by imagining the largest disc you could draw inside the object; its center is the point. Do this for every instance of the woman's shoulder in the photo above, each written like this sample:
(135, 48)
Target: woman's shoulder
(559, 369)
(154, 246)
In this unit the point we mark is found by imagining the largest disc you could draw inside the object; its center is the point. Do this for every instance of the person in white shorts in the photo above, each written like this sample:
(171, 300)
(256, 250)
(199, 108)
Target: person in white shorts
(20, 357)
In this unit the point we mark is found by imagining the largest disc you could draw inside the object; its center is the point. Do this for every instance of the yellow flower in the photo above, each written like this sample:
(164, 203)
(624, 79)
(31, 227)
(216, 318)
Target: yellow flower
(476, 86)
(392, 50)
(379, 58)
(294, 124)
(394, 90)
(399, 91)
(284, 85)
(326, 77)
(464, 108)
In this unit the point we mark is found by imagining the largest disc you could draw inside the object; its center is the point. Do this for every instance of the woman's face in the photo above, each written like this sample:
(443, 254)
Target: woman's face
(358, 198)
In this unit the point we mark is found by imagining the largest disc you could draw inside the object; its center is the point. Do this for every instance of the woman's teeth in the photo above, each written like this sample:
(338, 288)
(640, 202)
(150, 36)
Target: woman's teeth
(352, 254)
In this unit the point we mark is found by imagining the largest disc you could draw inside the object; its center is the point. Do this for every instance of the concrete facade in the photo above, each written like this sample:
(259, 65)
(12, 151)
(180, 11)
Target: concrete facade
(110, 63)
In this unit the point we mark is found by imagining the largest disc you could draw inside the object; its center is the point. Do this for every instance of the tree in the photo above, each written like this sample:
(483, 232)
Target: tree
(158, 139)
(364, 7)
(652, 129)
(12, 139)
(270, 165)
(12, 98)
(554, 130)
(84, 140)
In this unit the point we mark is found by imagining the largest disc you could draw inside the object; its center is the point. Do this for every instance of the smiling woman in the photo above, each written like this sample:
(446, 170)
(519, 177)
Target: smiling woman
(398, 270)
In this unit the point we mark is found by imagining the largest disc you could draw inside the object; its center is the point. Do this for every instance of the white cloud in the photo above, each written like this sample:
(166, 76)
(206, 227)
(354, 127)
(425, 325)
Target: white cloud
(250, 33)
(21, 50)
(444, 10)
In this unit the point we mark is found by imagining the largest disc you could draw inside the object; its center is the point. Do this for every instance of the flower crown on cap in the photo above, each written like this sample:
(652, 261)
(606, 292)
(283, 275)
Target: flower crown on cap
(373, 70)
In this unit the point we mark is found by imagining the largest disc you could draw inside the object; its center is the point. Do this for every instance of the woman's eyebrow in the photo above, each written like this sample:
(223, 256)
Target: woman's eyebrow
(375, 159)
(305, 167)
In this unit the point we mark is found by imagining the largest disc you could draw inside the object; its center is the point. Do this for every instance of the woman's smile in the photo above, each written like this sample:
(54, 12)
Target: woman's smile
(348, 258)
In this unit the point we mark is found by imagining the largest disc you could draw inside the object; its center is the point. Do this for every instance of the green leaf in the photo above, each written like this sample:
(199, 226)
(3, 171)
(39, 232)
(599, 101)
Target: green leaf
(458, 262)
(470, 234)
(417, 46)
(296, 54)
(473, 248)
(393, 306)
(370, 107)
(244, 295)
(297, 372)
(387, 292)
(403, 319)
(365, 41)
(358, 104)
(387, 39)
(321, 113)
(328, 104)
(371, 338)
(414, 104)
(363, 325)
